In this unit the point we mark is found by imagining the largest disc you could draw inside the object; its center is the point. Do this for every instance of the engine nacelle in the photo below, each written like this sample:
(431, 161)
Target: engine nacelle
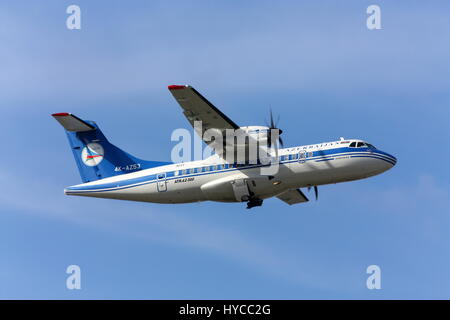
(241, 145)
(256, 133)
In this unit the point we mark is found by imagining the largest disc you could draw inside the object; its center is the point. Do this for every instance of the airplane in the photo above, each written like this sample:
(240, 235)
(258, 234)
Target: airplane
(109, 172)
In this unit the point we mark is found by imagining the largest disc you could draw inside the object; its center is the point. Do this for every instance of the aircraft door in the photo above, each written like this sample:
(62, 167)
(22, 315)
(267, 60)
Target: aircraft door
(161, 182)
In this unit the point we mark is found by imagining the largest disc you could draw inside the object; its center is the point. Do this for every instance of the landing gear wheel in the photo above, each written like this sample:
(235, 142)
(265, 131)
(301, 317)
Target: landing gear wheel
(254, 203)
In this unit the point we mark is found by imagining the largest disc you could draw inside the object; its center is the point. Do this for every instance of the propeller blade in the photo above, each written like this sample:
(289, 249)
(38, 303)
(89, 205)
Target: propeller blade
(269, 138)
(272, 123)
(281, 140)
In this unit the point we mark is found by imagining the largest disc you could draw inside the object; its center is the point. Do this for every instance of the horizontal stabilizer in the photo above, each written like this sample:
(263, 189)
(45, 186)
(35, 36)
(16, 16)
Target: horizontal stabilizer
(292, 197)
(72, 123)
(95, 156)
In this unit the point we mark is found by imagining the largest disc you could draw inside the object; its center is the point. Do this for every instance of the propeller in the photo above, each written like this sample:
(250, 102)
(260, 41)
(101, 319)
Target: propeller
(316, 191)
(273, 125)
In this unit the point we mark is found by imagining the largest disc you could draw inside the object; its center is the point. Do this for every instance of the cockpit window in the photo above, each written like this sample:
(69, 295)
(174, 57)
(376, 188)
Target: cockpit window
(360, 144)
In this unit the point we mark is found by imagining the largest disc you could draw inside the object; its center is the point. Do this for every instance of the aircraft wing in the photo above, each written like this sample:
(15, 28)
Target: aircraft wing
(197, 108)
(293, 196)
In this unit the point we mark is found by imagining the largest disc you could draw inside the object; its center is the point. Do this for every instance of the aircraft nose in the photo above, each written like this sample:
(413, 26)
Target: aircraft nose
(390, 158)
(395, 160)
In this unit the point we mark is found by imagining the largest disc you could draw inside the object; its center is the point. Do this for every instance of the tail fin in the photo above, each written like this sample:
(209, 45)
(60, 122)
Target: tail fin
(95, 156)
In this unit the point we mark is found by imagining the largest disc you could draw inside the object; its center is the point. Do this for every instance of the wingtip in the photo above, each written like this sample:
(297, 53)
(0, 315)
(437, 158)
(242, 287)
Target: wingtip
(176, 87)
(60, 114)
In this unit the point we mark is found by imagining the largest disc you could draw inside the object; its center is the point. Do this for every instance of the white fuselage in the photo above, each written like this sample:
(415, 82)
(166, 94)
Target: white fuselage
(213, 178)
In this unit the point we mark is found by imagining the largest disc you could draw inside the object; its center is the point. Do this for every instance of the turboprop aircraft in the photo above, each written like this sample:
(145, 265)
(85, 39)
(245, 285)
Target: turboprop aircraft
(109, 172)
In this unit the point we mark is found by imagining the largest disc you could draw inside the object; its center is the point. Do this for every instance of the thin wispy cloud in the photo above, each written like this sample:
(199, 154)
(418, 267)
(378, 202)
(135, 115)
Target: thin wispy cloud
(166, 226)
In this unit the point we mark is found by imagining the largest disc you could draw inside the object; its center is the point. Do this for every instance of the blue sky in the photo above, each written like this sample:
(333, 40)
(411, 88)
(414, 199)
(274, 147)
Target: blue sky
(317, 65)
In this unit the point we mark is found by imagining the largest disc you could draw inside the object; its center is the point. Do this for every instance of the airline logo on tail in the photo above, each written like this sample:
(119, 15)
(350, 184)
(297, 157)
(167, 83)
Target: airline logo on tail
(92, 154)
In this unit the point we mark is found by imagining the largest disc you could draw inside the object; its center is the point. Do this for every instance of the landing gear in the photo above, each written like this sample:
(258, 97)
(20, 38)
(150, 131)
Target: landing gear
(242, 192)
(254, 203)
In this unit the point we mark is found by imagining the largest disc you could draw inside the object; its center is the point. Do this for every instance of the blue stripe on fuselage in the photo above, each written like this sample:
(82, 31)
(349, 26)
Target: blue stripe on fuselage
(318, 156)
